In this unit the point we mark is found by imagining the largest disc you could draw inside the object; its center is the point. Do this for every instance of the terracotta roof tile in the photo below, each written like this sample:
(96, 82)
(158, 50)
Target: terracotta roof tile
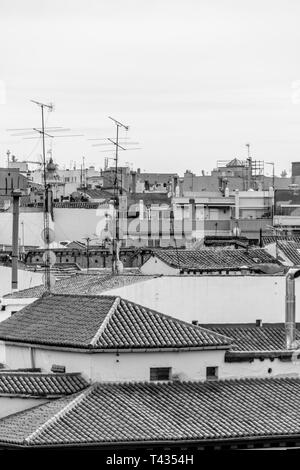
(174, 411)
(40, 385)
(70, 320)
(82, 284)
(249, 337)
(291, 250)
(213, 259)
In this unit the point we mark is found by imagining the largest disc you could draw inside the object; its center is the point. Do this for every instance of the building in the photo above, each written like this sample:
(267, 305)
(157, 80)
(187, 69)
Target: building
(177, 416)
(203, 261)
(20, 390)
(105, 339)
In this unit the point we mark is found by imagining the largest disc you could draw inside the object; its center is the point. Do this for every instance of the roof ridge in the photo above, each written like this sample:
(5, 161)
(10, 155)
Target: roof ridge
(106, 320)
(69, 406)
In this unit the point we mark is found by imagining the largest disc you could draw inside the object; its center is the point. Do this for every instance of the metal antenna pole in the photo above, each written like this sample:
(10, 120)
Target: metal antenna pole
(46, 204)
(116, 240)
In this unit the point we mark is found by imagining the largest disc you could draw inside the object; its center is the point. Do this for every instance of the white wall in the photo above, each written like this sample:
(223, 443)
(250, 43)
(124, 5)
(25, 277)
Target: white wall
(11, 405)
(214, 299)
(69, 224)
(187, 365)
(26, 279)
(33, 226)
(13, 305)
(259, 368)
(74, 224)
(155, 266)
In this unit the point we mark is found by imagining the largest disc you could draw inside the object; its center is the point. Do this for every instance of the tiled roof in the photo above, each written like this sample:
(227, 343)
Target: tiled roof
(291, 250)
(213, 259)
(32, 384)
(98, 194)
(102, 322)
(249, 337)
(82, 284)
(58, 270)
(267, 239)
(179, 411)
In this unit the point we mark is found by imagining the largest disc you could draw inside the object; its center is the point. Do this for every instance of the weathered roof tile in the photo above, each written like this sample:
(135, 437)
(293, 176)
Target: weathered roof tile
(75, 321)
(32, 384)
(173, 411)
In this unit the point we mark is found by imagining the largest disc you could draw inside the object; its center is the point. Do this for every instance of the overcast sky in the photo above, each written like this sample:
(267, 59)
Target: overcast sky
(194, 79)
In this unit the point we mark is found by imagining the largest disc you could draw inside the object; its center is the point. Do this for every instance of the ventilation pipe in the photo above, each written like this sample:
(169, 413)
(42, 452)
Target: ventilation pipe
(290, 308)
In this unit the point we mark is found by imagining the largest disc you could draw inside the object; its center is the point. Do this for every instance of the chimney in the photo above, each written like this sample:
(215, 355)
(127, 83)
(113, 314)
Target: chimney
(290, 307)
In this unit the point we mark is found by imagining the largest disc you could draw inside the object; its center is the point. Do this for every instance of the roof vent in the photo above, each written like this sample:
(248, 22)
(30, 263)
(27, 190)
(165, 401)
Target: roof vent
(58, 369)
(194, 322)
(258, 323)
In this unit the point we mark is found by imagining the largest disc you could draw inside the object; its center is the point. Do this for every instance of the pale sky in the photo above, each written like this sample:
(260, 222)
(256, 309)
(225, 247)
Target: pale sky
(194, 79)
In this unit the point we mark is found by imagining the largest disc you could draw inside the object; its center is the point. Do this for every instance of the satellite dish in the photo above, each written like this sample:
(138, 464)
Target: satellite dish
(49, 258)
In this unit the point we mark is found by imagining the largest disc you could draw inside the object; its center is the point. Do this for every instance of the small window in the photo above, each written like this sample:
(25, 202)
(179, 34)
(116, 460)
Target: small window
(211, 373)
(160, 373)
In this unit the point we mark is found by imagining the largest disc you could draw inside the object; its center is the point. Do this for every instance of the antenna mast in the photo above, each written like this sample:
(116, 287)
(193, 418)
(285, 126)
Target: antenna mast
(46, 192)
(116, 240)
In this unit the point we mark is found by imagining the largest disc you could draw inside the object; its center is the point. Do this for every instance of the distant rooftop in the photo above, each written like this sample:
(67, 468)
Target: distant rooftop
(83, 284)
(249, 337)
(206, 259)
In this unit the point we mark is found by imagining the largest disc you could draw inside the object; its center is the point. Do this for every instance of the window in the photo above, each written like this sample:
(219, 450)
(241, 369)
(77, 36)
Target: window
(160, 373)
(211, 373)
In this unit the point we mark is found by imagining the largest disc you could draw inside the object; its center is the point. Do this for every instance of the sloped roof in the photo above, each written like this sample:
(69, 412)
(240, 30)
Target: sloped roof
(102, 322)
(213, 259)
(291, 250)
(249, 337)
(267, 239)
(235, 162)
(33, 384)
(164, 412)
(58, 270)
(98, 194)
(82, 284)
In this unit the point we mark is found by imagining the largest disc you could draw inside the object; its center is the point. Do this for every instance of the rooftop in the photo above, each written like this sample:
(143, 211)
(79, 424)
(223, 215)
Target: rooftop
(82, 284)
(33, 384)
(213, 259)
(58, 270)
(204, 412)
(103, 322)
(249, 337)
(291, 249)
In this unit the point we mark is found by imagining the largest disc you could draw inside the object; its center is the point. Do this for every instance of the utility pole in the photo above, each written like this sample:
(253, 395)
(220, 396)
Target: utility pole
(249, 159)
(273, 185)
(116, 268)
(46, 194)
(87, 253)
(16, 194)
